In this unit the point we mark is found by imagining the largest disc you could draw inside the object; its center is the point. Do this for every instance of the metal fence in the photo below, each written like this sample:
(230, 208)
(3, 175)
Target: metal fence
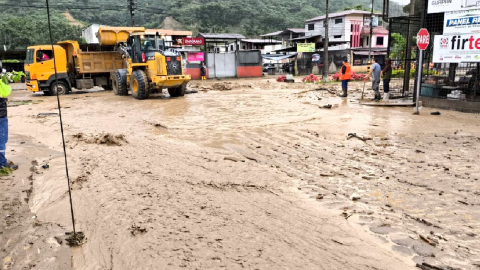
(438, 80)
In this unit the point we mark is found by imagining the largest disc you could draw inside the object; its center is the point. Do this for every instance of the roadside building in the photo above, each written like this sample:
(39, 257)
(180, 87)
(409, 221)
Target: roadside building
(450, 77)
(265, 46)
(172, 38)
(288, 38)
(349, 37)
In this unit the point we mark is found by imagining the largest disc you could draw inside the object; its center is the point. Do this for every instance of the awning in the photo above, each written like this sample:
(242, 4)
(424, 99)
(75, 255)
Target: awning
(289, 49)
(278, 57)
(187, 50)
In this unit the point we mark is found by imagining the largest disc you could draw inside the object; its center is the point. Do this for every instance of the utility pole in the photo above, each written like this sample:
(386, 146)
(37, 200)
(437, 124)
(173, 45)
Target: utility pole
(408, 49)
(325, 45)
(371, 36)
(132, 6)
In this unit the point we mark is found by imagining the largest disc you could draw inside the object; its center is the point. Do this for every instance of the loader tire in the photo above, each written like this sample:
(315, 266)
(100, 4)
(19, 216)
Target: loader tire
(139, 85)
(119, 82)
(178, 91)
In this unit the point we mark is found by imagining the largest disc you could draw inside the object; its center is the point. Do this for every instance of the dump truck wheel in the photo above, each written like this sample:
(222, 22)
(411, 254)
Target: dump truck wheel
(178, 91)
(59, 88)
(139, 85)
(119, 82)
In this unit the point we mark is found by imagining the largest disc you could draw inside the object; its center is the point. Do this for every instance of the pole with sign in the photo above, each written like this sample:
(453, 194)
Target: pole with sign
(423, 39)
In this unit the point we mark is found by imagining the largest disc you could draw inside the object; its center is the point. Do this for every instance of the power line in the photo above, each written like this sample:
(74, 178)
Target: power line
(61, 121)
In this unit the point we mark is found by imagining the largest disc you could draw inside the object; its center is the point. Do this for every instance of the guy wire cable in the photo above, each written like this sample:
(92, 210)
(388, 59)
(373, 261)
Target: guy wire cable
(60, 115)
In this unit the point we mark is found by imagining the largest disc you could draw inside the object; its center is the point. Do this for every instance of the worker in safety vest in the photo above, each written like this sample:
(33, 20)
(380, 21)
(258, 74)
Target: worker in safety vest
(5, 91)
(345, 76)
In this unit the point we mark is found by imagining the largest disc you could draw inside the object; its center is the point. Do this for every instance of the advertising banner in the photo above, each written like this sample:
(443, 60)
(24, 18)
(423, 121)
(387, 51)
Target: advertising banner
(462, 22)
(195, 57)
(456, 48)
(305, 47)
(438, 6)
(194, 41)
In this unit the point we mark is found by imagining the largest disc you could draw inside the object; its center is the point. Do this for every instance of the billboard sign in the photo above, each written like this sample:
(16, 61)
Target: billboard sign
(439, 6)
(462, 22)
(456, 48)
(305, 47)
(194, 41)
(195, 57)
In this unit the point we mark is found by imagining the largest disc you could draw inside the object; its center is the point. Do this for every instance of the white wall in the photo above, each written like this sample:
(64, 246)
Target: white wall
(342, 29)
(90, 34)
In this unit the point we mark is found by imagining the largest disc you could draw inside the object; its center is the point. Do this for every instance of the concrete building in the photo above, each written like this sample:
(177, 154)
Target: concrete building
(265, 46)
(349, 37)
(90, 34)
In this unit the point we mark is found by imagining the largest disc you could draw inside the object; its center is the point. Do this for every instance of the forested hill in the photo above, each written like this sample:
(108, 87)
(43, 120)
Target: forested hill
(23, 21)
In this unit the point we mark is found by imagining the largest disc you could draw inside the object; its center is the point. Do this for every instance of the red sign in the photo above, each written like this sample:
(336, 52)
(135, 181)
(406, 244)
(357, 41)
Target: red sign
(194, 41)
(423, 39)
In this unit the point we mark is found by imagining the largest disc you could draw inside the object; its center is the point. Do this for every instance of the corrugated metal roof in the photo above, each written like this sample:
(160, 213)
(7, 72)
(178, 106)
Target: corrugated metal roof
(278, 33)
(262, 41)
(296, 30)
(272, 34)
(342, 13)
(221, 36)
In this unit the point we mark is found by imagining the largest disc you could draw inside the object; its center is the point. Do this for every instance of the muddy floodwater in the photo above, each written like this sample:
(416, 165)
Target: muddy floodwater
(249, 174)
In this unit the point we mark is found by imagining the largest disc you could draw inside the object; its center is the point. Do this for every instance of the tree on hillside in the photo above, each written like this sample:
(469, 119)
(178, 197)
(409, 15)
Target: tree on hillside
(358, 7)
(21, 32)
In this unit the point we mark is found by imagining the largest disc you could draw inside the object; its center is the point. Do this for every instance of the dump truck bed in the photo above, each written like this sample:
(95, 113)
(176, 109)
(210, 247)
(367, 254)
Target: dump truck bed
(98, 62)
(113, 35)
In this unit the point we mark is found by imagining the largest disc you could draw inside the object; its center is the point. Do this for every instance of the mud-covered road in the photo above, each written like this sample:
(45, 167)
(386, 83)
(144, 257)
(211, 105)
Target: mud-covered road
(261, 176)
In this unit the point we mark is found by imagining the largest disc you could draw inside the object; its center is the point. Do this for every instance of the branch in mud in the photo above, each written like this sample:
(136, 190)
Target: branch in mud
(354, 135)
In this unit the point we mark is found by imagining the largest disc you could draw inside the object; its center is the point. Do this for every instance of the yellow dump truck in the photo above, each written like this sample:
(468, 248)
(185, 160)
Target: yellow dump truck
(126, 59)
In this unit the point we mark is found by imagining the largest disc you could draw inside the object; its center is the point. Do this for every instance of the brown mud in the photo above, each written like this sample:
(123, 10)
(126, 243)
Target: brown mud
(260, 176)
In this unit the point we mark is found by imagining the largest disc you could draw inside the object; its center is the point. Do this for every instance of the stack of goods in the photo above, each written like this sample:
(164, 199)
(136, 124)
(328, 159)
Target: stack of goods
(456, 94)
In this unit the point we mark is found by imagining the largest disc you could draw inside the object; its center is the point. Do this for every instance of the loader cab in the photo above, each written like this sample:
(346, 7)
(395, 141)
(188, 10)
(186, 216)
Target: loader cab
(143, 47)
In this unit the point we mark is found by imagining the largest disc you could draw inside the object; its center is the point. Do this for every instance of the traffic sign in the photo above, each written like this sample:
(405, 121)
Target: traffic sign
(423, 39)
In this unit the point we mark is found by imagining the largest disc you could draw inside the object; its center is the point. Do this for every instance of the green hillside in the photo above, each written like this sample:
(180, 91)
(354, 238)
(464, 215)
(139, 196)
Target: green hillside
(23, 21)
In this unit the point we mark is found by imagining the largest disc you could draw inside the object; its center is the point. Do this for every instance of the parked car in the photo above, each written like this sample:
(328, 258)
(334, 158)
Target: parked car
(266, 66)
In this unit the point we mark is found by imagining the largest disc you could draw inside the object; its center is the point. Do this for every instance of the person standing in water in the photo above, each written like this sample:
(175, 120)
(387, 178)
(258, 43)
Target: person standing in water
(387, 76)
(345, 76)
(203, 71)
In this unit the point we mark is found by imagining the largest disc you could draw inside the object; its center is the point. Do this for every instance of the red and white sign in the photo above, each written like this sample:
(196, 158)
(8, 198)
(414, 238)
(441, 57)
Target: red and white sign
(456, 48)
(194, 41)
(423, 39)
(196, 57)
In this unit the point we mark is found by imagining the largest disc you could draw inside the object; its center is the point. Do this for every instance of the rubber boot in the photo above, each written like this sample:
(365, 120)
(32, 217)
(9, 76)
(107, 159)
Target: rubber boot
(377, 97)
(344, 94)
(386, 96)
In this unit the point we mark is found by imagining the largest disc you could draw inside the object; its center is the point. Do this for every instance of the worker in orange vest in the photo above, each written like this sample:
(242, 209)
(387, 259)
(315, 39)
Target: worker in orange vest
(345, 76)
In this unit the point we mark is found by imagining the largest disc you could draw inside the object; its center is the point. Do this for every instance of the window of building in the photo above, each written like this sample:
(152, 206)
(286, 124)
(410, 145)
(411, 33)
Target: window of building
(337, 36)
(311, 27)
(366, 41)
(379, 40)
(337, 21)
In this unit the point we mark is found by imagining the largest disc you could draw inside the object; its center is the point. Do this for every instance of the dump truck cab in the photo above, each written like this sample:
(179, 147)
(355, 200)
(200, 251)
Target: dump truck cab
(150, 68)
(40, 69)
